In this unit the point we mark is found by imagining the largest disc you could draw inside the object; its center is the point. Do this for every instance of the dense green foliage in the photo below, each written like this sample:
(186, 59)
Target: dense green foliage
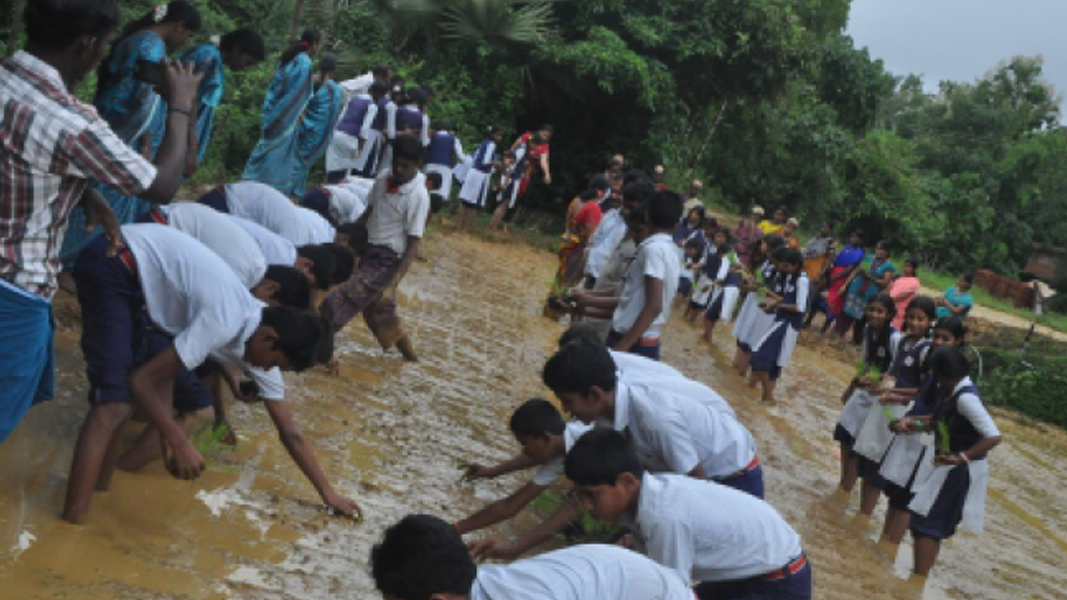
(766, 100)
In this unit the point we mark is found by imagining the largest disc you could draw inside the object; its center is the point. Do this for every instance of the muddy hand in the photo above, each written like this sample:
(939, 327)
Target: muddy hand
(475, 471)
(185, 462)
(490, 548)
(343, 505)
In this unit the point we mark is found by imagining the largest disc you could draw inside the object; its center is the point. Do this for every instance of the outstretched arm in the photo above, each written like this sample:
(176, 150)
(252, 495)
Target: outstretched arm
(501, 510)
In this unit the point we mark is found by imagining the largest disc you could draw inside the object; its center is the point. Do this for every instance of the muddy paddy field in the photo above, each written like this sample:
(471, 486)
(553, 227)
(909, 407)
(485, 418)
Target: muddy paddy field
(394, 435)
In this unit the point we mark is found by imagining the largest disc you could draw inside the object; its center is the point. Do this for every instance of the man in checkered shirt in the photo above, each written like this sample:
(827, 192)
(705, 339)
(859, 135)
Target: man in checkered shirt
(51, 145)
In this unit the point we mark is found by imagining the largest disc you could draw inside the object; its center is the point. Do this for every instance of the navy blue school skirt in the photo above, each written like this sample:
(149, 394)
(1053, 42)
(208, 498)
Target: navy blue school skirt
(844, 437)
(947, 512)
(869, 473)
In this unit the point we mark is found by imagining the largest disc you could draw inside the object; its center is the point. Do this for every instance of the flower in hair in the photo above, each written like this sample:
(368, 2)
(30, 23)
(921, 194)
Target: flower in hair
(159, 13)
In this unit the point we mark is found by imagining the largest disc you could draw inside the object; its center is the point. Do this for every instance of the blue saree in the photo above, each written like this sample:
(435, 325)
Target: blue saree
(133, 109)
(208, 61)
(316, 131)
(273, 159)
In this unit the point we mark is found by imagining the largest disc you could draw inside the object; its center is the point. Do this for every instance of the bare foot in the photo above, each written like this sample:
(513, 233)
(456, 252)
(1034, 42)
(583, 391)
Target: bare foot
(406, 349)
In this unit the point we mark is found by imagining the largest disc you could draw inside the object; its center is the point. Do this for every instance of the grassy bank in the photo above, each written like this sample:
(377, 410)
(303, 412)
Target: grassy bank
(940, 282)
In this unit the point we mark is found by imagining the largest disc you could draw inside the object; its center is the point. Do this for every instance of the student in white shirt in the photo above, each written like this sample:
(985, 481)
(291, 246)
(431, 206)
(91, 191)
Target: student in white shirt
(734, 545)
(395, 219)
(545, 439)
(167, 279)
(262, 204)
(324, 265)
(422, 557)
(641, 307)
(338, 204)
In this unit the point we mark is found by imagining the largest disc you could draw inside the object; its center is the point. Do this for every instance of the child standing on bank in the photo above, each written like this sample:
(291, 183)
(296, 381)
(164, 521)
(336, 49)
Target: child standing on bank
(788, 301)
(475, 191)
(880, 340)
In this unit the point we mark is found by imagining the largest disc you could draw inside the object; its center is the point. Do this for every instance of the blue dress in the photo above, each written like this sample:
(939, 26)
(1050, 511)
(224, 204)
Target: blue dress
(273, 159)
(208, 61)
(315, 132)
(133, 109)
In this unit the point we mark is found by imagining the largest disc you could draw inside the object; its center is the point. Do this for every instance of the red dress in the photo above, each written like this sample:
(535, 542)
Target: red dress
(534, 152)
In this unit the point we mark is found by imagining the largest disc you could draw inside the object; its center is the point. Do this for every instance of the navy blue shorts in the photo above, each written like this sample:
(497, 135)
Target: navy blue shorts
(190, 395)
(216, 199)
(947, 512)
(869, 472)
(898, 497)
(648, 351)
(750, 481)
(685, 285)
(794, 586)
(472, 205)
(318, 200)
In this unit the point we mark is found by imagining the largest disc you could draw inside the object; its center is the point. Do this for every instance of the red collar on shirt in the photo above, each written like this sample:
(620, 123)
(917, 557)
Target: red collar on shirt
(391, 188)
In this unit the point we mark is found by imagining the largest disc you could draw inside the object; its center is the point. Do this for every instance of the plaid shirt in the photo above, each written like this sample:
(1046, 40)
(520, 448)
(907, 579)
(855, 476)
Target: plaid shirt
(50, 146)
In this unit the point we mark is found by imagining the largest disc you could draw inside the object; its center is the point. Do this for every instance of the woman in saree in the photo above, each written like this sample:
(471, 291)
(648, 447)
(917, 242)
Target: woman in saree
(845, 263)
(131, 106)
(866, 282)
(583, 217)
(272, 160)
(238, 50)
(318, 124)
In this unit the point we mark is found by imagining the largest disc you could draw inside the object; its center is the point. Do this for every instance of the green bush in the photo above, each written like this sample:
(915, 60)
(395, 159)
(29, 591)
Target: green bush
(1039, 394)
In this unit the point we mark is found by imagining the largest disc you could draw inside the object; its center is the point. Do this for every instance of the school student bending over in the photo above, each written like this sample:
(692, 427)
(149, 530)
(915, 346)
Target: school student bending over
(734, 545)
(165, 282)
(545, 439)
(423, 558)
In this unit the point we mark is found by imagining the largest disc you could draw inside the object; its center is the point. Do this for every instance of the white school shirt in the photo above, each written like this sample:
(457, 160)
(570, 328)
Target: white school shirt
(395, 217)
(676, 433)
(262, 204)
(225, 238)
(551, 471)
(584, 572)
(608, 234)
(636, 369)
(317, 229)
(711, 532)
(346, 206)
(656, 257)
(276, 249)
(193, 295)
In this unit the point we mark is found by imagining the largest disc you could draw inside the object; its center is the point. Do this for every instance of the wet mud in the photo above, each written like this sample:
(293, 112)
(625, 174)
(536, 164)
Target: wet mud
(394, 435)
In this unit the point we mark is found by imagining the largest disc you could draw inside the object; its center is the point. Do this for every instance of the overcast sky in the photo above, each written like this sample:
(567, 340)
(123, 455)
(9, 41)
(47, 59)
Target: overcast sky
(961, 40)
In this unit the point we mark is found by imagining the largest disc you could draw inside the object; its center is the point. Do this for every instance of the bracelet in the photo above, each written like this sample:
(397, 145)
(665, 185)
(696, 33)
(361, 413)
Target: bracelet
(181, 111)
(963, 457)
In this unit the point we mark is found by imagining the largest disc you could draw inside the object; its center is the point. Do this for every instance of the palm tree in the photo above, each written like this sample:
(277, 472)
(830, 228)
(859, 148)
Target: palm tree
(500, 22)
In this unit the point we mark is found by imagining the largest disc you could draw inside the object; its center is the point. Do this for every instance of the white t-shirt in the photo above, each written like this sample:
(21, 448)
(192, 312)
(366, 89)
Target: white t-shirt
(262, 204)
(319, 229)
(656, 257)
(710, 532)
(611, 229)
(676, 433)
(346, 204)
(396, 217)
(551, 471)
(193, 295)
(276, 249)
(636, 369)
(585, 572)
(225, 238)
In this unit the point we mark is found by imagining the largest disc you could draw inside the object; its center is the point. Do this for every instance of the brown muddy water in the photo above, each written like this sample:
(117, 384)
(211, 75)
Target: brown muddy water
(393, 435)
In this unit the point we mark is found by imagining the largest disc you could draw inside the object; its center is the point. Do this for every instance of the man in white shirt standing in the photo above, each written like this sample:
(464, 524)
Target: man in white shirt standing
(736, 546)
(642, 306)
(395, 218)
(422, 557)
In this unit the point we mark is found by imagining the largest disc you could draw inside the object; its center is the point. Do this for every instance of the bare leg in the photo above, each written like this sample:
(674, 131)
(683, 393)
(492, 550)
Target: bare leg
(850, 471)
(498, 216)
(768, 387)
(107, 467)
(96, 435)
(896, 525)
(926, 550)
(869, 496)
(741, 361)
(709, 326)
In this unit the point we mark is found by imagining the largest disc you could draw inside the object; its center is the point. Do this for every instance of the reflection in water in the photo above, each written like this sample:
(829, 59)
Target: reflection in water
(394, 435)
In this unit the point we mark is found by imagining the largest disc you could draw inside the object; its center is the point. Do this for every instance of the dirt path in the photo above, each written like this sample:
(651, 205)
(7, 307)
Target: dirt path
(394, 435)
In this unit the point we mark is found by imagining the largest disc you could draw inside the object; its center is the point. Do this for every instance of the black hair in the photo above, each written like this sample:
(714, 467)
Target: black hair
(947, 361)
(859, 233)
(327, 64)
(246, 42)
(725, 231)
(378, 89)
(177, 11)
(589, 194)
(437, 202)
(344, 262)
(407, 147)
(381, 71)
(884, 244)
(697, 209)
(792, 256)
(419, 556)
(953, 325)
(599, 182)
(578, 366)
(323, 264)
(493, 130)
(781, 209)
(969, 278)
(634, 175)
(925, 304)
(600, 457)
(357, 236)
(580, 331)
(546, 127)
(435, 180)
(305, 339)
(56, 24)
(536, 417)
(309, 38)
(778, 254)
(418, 97)
(914, 262)
(509, 154)
(294, 288)
(773, 241)
(639, 190)
(665, 210)
(695, 244)
(881, 338)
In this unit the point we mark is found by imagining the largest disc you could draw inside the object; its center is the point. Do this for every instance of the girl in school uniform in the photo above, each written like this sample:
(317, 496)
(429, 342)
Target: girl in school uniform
(879, 343)
(694, 251)
(725, 289)
(475, 191)
(444, 151)
(905, 373)
(907, 453)
(752, 322)
(690, 228)
(788, 301)
(952, 493)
